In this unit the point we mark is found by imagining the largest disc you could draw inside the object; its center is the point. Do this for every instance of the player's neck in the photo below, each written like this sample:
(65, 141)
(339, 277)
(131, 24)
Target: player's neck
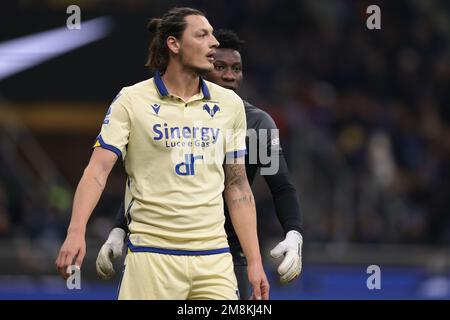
(181, 82)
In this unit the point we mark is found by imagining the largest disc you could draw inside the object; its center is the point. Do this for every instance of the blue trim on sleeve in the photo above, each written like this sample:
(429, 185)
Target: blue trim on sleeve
(236, 154)
(160, 85)
(205, 89)
(134, 248)
(109, 147)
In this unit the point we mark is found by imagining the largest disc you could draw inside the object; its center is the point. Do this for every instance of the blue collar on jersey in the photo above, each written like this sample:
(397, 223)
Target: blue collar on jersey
(163, 90)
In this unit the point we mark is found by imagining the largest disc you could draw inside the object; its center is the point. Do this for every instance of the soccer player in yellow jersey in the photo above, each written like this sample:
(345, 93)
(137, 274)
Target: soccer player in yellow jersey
(182, 141)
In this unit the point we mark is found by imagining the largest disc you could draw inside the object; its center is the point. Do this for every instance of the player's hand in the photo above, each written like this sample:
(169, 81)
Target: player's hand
(72, 252)
(258, 281)
(111, 249)
(291, 267)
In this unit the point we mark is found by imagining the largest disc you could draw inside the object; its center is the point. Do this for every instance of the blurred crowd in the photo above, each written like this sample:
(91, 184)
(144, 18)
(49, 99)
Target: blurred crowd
(372, 110)
(363, 114)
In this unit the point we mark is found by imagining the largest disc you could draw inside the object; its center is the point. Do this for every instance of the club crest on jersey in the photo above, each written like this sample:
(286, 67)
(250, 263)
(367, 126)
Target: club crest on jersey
(156, 107)
(211, 111)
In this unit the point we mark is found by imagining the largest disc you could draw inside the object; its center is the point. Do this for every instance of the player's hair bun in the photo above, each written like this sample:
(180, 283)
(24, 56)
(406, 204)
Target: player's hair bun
(154, 24)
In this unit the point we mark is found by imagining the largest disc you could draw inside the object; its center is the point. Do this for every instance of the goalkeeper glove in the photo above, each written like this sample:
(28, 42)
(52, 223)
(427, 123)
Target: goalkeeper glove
(291, 266)
(111, 249)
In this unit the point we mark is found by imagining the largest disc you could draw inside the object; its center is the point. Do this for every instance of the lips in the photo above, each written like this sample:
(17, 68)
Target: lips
(210, 56)
(227, 86)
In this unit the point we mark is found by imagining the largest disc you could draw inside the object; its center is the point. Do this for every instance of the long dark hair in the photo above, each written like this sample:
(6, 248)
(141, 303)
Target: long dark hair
(172, 23)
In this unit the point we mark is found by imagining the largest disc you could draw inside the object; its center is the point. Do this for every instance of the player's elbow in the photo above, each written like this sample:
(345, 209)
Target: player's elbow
(237, 185)
(95, 174)
(99, 167)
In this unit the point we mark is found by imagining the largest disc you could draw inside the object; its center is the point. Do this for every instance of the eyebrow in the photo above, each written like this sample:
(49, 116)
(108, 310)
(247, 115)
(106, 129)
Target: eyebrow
(232, 64)
(205, 30)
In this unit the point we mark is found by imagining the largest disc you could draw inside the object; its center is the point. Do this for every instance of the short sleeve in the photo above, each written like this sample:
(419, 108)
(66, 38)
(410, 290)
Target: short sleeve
(235, 138)
(115, 129)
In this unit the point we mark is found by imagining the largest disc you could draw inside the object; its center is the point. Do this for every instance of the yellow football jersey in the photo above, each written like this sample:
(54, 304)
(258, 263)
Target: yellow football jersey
(173, 152)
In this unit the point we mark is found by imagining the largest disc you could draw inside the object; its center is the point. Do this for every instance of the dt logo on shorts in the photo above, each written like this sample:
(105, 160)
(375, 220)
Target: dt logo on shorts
(187, 168)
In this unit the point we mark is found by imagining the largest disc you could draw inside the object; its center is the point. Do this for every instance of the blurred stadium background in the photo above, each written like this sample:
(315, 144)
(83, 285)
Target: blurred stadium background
(364, 120)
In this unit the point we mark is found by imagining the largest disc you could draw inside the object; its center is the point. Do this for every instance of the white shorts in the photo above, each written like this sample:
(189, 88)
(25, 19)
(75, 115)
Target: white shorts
(156, 276)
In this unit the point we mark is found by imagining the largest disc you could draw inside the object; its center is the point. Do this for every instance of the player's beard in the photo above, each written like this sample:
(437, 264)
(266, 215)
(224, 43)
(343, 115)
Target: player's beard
(195, 69)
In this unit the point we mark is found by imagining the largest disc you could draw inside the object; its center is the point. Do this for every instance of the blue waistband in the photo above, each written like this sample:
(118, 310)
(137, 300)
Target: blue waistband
(134, 248)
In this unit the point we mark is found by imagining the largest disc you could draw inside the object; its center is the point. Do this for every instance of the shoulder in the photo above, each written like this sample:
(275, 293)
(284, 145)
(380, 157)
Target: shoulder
(140, 87)
(258, 116)
(128, 95)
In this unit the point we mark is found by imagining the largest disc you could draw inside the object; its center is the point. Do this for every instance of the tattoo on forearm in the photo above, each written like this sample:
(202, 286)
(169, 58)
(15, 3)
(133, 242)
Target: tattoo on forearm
(234, 175)
(245, 200)
(236, 181)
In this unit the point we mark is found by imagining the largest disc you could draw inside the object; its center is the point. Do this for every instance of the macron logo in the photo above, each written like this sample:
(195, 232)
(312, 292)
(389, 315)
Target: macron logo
(212, 111)
(156, 108)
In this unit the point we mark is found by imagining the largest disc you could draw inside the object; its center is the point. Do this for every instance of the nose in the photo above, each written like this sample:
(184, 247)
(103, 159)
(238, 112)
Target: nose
(214, 43)
(228, 75)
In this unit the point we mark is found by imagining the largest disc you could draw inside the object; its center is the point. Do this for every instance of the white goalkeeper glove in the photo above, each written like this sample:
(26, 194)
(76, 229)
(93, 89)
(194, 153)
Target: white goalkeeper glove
(291, 247)
(111, 249)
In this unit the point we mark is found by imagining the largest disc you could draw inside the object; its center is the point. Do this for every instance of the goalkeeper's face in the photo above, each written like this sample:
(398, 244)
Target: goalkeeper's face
(227, 71)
